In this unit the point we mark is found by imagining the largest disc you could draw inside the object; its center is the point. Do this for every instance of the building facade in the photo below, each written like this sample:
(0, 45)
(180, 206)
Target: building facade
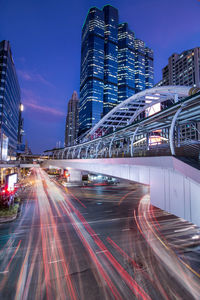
(114, 65)
(71, 128)
(110, 58)
(183, 69)
(10, 101)
(135, 64)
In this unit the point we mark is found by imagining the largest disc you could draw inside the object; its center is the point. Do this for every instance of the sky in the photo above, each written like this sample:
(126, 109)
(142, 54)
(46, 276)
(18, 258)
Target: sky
(45, 39)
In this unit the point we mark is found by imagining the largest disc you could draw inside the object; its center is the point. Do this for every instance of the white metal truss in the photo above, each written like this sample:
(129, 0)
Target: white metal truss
(130, 139)
(127, 111)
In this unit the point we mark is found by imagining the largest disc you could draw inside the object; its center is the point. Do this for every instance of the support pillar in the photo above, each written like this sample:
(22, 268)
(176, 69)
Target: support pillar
(110, 146)
(133, 139)
(147, 140)
(73, 152)
(63, 154)
(86, 154)
(79, 153)
(68, 153)
(171, 131)
(97, 149)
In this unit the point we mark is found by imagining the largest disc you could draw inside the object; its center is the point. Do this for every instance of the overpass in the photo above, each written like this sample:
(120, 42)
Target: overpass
(139, 142)
(17, 164)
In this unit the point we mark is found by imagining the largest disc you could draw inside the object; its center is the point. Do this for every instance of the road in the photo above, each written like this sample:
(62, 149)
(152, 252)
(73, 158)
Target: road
(98, 242)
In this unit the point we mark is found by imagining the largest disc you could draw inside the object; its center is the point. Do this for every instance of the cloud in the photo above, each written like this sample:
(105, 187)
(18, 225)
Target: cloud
(45, 109)
(33, 77)
(22, 59)
(33, 105)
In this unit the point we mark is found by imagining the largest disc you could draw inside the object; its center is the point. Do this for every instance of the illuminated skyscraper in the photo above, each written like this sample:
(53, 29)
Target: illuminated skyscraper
(71, 129)
(92, 70)
(126, 62)
(9, 103)
(114, 65)
(110, 58)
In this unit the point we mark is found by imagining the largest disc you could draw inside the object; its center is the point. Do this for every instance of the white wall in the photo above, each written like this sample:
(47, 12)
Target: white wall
(174, 185)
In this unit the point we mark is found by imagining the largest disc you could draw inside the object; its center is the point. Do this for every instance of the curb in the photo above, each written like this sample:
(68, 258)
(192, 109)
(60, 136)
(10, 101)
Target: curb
(8, 219)
(11, 218)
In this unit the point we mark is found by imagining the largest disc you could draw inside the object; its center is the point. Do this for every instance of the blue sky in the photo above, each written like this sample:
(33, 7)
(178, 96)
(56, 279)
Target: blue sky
(45, 40)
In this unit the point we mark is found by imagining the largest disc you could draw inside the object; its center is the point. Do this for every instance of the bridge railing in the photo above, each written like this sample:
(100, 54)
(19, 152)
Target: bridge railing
(172, 131)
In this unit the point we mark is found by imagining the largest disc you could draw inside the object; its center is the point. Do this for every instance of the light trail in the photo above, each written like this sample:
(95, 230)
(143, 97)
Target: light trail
(136, 289)
(148, 227)
(47, 254)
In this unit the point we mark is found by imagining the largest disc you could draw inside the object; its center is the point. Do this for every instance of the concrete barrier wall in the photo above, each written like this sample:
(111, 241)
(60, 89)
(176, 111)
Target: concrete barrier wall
(174, 185)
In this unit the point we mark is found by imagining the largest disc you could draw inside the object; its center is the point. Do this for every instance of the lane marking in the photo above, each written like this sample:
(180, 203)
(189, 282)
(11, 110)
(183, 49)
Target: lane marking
(102, 251)
(3, 272)
(55, 261)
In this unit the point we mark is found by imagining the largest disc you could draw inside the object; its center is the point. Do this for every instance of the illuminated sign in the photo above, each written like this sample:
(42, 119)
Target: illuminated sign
(66, 174)
(4, 154)
(11, 180)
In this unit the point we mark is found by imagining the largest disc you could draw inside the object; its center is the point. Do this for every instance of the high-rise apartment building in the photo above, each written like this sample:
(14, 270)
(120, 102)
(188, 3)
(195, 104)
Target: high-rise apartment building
(114, 65)
(9, 103)
(183, 69)
(71, 128)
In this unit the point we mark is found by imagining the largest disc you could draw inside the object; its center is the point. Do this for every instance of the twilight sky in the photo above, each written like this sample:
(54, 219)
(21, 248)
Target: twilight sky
(45, 41)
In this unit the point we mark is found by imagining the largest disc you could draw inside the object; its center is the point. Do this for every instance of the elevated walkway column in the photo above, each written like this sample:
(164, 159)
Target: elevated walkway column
(171, 131)
(97, 148)
(79, 152)
(133, 139)
(110, 146)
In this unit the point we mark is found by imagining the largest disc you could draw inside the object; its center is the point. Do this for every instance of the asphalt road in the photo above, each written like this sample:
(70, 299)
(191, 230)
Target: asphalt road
(98, 242)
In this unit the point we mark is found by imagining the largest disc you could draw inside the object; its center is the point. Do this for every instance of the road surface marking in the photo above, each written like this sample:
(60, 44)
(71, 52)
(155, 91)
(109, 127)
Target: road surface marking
(3, 272)
(102, 251)
(55, 261)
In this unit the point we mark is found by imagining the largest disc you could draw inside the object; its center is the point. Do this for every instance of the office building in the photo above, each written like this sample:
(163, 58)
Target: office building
(114, 65)
(110, 93)
(10, 100)
(183, 69)
(135, 64)
(71, 128)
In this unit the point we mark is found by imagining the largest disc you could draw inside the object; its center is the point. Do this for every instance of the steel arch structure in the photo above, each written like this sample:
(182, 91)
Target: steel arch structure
(122, 133)
(128, 111)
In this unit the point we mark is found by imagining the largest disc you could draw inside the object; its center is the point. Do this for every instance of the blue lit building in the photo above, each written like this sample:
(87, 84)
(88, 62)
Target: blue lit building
(114, 65)
(144, 75)
(92, 70)
(9, 104)
(126, 62)
(110, 58)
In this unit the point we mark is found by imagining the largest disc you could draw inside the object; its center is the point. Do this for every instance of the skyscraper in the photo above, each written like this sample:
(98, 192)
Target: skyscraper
(110, 58)
(9, 103)
(71, 128)
(20, 145)
(182, 69)
(126, 62)
(92, 70)
(114, 65)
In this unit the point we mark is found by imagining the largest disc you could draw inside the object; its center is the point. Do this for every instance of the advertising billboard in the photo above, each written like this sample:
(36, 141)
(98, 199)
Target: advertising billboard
(4, 153)
(11, 180)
